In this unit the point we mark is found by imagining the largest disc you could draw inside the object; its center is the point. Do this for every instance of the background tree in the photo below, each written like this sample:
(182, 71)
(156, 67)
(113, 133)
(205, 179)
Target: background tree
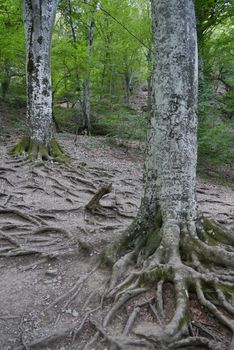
(38, 21)
(118, 69)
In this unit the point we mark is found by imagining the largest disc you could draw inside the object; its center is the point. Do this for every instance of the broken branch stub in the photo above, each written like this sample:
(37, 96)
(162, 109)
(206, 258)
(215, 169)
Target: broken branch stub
(94, 202)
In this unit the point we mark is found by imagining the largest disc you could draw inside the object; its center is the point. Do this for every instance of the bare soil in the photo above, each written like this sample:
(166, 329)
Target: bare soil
(52, 285)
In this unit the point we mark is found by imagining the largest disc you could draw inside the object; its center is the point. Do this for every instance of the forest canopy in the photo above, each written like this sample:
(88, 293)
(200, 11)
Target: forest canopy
(119, 66)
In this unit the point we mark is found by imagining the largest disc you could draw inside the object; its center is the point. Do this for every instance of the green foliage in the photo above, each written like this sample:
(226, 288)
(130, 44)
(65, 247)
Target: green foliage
(209, 14)
(67, 118)
(122, 124)
(216, 143)
(209, 104)
(12, 48)
(216, 97)
(119, 124)
(120, 60)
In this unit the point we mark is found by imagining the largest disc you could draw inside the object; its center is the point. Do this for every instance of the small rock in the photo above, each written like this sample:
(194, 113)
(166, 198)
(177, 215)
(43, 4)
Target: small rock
(52, 272)
(75, 313)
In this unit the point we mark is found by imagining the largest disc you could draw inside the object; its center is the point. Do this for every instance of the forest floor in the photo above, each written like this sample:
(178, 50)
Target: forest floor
(52, 285)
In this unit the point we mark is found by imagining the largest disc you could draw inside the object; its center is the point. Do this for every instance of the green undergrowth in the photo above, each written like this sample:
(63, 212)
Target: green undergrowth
(219, 178)
(116, 124)
(12, 118)
(66, 118)
(123, 123)
(216, 143)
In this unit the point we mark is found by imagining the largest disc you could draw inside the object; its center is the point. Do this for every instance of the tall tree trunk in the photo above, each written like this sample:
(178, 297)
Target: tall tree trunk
(39, 19)
(106, 61)
(169, 242)
(86, 83)
(128, 84)
(170, 167)
(86, 105)
(172, 151)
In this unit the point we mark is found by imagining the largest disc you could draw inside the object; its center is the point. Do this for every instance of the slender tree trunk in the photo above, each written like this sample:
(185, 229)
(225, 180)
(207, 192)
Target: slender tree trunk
(71, 22)
(86, 105)
(39, 19)
(38, 141)
(105, 63)
(86, 84)
(128, 83)
(107, 47)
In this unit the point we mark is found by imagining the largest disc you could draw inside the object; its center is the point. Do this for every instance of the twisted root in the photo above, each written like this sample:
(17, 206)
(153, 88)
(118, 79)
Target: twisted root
(186, 259)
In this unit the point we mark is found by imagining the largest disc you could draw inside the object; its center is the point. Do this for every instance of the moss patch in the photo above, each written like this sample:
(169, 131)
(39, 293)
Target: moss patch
(218, 233)
(21, 147)
(36, 150)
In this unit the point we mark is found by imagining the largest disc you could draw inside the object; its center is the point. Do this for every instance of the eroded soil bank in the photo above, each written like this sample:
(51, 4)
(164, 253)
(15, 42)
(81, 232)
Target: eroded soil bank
(51, 285)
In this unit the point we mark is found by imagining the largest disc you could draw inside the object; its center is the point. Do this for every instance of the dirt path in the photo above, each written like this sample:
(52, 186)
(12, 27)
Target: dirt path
(50, 284)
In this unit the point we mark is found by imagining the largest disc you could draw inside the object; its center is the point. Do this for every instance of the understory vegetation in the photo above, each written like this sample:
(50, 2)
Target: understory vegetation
(119, 67)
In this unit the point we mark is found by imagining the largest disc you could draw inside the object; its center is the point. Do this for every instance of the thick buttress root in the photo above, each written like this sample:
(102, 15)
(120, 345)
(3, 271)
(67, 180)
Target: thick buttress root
(34, 151)
(195, 260)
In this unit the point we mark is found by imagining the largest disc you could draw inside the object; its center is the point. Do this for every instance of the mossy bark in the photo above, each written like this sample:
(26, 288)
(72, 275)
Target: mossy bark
(39, 19)
(178, 254)
(38, 151)
(169, 241)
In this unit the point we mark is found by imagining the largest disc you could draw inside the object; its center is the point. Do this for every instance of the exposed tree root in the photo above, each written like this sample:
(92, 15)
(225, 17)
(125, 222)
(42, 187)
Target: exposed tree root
(21, 215)
(51, 338)
(93, 204)
(4, 169)
(121, 341)
(43, 240)
(72, 293)
(92, 341)
(184, 257)
(7, 180)
(31, 150)
(86, 317)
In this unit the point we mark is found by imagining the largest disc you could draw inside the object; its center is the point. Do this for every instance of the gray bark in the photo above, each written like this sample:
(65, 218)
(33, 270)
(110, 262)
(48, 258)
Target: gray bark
(128, 76)
(170, 165)
(86, 84)
(86, 105)
(38, 22)
(149, 79)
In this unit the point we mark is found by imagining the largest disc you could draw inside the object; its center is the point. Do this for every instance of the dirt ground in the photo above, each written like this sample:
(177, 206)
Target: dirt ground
(52, 286)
